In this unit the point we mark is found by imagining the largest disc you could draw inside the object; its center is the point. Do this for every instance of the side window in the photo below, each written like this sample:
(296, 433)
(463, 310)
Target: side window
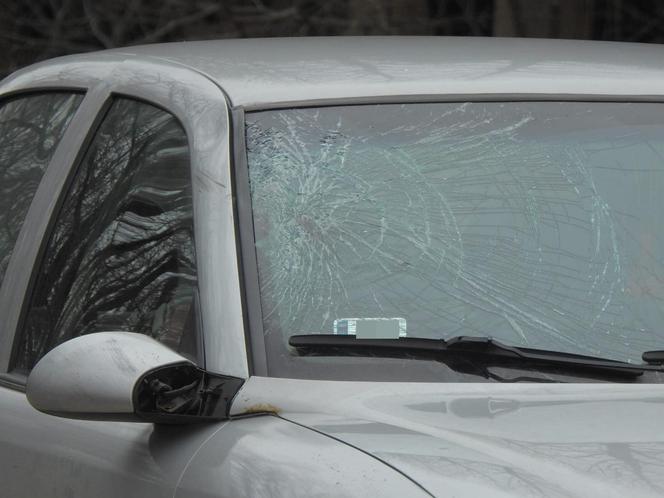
(30, 129)
(121, 254)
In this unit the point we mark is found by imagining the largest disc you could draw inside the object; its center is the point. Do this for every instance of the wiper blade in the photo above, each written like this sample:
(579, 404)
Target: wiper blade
(463, 354)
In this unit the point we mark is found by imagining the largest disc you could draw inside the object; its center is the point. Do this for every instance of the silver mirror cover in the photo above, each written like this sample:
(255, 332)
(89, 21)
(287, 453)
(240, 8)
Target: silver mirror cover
(94, 376)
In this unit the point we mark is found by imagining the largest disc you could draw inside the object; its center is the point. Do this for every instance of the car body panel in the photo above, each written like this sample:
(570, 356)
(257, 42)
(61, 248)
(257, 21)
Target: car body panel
(43, 455)
(282, 72)
(554, 440)
(265, 456)
(259, 73)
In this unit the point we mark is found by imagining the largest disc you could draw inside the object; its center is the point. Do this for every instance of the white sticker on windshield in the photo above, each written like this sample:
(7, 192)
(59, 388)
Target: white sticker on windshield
(371, 328)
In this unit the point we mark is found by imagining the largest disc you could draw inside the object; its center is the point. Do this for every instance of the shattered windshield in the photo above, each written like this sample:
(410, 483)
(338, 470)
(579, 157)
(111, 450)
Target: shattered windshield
(536, 223)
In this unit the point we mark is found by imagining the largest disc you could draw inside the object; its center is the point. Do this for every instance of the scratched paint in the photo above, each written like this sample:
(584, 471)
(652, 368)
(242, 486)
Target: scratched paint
(533, 222)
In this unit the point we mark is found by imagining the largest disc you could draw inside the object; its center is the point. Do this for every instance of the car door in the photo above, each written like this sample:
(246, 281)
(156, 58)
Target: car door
(119, 255)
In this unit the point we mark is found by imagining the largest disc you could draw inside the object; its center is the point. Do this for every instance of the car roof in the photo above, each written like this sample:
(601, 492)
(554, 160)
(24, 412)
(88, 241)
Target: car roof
(277, 72)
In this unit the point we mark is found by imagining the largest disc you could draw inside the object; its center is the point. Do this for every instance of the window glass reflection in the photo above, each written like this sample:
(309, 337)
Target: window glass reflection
(121, 256)
(30, 129)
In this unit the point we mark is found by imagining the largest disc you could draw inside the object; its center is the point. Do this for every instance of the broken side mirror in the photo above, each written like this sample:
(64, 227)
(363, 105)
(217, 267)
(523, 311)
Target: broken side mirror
(127, 376)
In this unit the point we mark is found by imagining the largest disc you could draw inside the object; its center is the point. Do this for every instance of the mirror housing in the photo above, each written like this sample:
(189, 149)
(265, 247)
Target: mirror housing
(126, 376)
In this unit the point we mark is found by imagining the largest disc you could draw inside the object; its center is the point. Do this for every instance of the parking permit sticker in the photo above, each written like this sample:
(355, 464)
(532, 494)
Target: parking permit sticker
(371, 328)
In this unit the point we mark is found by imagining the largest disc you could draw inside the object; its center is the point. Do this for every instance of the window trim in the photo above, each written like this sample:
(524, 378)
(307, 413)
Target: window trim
(452, 98)
(246, 248)
(16, 382)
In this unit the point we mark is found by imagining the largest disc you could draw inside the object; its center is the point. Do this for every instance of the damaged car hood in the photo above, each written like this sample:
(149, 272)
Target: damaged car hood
(493, 440)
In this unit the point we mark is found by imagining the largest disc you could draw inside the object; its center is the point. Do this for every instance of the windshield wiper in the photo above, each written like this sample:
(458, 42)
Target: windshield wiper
(464, 354)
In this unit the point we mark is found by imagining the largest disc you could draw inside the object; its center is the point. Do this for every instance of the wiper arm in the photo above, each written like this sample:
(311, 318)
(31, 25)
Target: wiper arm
(653, 357)
(463, 354)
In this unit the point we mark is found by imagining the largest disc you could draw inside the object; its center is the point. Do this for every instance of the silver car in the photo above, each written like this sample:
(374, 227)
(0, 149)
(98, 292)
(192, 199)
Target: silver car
(334, 267)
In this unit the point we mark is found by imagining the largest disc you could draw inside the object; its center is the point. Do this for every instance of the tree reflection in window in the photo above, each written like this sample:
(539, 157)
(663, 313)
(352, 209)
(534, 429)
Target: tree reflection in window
(121, 256)
(30, 129)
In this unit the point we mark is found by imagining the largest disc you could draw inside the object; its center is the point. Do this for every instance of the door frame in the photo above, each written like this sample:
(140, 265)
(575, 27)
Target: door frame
(202, 108)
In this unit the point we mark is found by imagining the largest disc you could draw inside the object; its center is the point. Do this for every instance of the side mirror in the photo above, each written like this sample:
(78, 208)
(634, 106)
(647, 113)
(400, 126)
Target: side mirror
(127, 376)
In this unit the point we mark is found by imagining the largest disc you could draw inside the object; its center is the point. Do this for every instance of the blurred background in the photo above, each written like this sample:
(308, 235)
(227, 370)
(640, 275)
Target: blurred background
(33, 30)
